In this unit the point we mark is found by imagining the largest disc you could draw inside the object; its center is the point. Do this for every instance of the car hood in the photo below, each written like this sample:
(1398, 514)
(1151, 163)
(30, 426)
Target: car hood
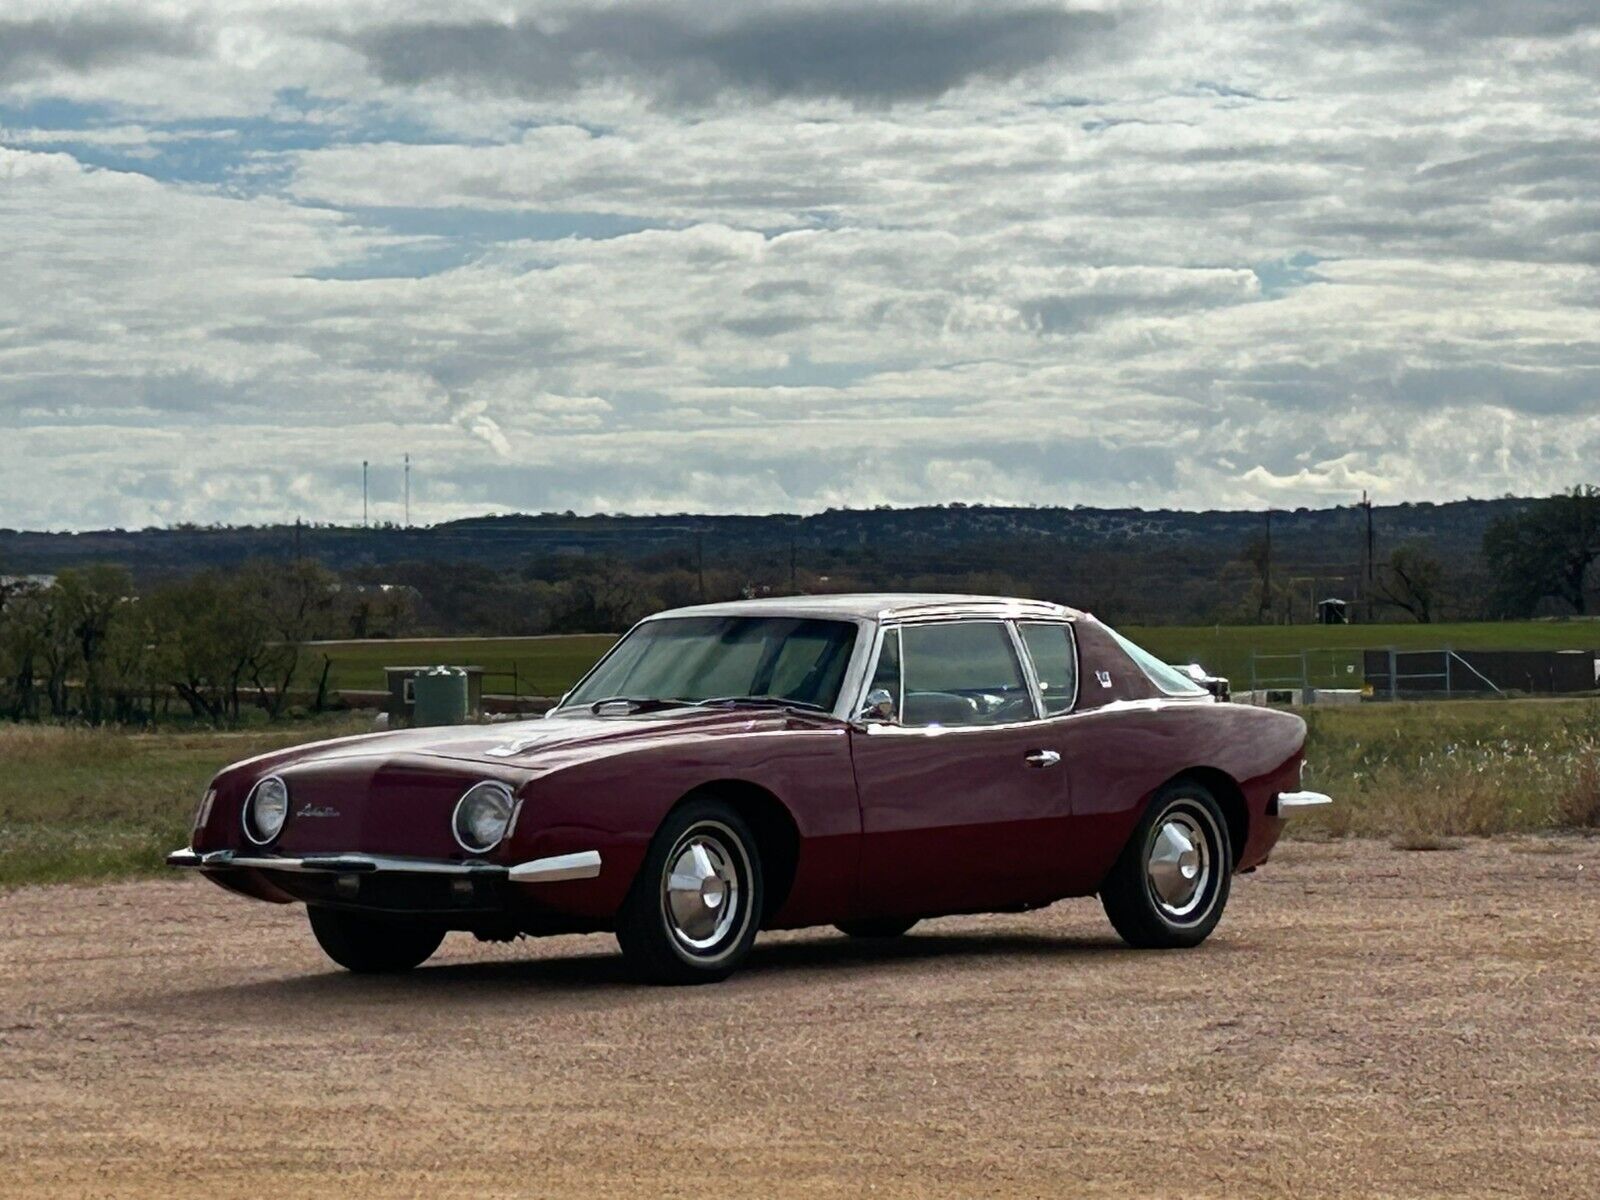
(542, 745)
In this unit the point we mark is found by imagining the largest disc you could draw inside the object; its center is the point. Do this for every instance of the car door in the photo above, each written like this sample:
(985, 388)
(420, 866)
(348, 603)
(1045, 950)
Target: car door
(962, 793)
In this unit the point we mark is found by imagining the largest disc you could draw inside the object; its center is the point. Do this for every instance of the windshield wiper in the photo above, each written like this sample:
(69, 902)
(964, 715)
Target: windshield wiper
(643, 704)
(637, 704)
(762, 702)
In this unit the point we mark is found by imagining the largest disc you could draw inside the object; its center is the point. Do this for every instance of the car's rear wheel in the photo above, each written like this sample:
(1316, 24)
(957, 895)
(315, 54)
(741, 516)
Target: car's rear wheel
(371, 945)
(694, 908)
(1170, 884)
(876, 927)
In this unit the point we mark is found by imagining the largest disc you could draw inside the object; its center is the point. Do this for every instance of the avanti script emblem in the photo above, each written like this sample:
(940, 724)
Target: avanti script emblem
(314, 810)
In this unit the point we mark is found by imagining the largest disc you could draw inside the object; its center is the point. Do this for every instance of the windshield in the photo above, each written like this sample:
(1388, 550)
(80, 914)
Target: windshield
(704, 658)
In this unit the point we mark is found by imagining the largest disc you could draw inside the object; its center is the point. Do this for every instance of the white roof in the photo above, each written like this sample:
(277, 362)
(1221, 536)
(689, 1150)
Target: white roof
(877, 606)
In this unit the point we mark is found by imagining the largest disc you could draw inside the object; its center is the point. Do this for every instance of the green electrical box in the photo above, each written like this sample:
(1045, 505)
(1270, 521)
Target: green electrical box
(440, 697)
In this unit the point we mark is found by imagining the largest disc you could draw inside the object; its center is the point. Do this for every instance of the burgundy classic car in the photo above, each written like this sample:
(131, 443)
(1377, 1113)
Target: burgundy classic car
(857, 761)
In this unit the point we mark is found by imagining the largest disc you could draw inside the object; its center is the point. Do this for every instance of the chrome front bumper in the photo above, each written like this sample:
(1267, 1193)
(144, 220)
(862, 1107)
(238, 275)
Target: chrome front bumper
(1289, 804)
(583, 865)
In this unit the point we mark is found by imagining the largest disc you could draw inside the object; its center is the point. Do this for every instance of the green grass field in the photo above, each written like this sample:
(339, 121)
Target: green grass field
(1331, 649)
(541, 666)
(80, 803)
(99, 803)
(550, 665)
(102, 803)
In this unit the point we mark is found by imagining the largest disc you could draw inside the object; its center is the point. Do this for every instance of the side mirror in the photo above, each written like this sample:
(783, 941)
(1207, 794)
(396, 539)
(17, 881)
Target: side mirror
(879, 706)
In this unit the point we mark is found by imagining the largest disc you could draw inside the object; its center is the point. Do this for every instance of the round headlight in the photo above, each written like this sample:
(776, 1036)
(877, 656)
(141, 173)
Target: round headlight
(481, 817)
(266, 809)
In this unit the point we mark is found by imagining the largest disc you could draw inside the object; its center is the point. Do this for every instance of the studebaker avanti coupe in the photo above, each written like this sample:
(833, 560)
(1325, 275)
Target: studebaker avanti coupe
(857, 761)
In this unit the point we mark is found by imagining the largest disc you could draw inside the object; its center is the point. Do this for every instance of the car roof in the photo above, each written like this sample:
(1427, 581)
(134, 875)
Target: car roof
(879, 606)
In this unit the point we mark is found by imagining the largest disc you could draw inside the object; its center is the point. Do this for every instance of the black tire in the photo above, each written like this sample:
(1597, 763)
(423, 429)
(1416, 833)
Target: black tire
(1131, 895)
(371, 945)
(876, 927)
(658, 937)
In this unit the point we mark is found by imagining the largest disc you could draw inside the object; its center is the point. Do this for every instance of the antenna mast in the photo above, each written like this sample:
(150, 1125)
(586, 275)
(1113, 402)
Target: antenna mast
(408, 490)
(363, 493)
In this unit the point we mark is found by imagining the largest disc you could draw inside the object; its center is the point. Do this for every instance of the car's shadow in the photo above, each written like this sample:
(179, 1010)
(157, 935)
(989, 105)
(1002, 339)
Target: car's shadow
(595, 967)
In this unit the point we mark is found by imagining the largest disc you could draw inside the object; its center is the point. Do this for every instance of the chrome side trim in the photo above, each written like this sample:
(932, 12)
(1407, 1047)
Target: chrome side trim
(585, 864)
(1287, 804)
(337, 864)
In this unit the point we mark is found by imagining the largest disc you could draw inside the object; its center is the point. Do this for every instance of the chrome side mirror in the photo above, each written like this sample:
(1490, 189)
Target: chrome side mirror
(879, 706)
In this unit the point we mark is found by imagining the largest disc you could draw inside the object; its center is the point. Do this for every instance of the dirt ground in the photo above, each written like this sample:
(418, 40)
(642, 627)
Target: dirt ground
(1365, 1022)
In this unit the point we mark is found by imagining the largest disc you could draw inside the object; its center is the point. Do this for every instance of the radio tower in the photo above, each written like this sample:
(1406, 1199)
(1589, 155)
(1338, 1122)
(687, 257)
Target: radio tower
(408, 491)
(363, 493)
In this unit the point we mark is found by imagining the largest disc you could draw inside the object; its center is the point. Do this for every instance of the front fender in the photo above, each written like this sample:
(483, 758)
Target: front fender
(615, 803)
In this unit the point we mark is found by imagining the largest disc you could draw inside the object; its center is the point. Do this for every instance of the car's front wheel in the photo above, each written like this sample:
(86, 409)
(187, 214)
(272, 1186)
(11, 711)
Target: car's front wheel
(694, 909)
(373, 945)
(1170, 884)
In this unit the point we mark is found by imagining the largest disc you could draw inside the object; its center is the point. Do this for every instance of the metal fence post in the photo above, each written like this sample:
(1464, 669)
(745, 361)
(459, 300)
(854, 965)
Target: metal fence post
(1449, 653)
(1394, 675)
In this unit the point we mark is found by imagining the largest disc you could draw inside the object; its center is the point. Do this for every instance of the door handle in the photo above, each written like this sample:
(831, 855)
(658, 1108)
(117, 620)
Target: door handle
(1042, 758)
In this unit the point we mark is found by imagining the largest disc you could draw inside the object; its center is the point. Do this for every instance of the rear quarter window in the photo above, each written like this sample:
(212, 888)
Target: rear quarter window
(1167, 679)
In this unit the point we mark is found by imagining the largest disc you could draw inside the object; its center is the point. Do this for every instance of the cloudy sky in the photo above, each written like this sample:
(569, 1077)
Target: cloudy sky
(766, 256)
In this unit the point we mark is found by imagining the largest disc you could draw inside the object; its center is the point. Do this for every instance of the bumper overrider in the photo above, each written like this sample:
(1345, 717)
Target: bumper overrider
(585, 864)
(1290, 804)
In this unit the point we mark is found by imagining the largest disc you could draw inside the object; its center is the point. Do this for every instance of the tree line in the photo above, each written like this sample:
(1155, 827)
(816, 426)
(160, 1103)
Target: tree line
(92, 646)
(101, 645)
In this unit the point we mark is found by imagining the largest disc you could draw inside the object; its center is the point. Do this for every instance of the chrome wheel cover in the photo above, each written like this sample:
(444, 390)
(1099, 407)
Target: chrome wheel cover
(1181, 861)
(703, 891)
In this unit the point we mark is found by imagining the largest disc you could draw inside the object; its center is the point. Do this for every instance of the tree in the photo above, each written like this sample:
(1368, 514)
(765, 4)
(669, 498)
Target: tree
(1545, 552)
(87, 602)
(1412, 580)
(206, 637)
(288, 605)
(24, 627)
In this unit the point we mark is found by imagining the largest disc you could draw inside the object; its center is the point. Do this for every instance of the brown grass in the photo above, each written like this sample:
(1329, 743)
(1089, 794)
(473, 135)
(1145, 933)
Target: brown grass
(1423, 775)
(1579, 804)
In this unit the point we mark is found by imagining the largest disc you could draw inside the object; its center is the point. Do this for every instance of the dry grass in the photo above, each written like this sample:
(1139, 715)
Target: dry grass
(98, 803)
(1579, 805)
(1424, 775)
(81, 803)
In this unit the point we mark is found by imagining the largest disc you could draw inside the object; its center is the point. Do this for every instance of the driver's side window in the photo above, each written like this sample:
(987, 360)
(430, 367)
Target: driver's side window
(961, 673)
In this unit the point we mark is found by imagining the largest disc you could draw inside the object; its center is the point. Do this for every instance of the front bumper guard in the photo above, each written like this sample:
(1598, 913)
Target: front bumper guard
(1290, 804)
(583, 865)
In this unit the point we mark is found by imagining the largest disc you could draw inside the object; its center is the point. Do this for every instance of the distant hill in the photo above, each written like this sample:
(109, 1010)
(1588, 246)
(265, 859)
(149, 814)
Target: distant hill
(1330, 538)
(1151, 567)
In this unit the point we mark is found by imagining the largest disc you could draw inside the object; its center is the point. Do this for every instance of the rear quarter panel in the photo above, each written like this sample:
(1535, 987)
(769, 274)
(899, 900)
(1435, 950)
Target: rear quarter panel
(1119, 756)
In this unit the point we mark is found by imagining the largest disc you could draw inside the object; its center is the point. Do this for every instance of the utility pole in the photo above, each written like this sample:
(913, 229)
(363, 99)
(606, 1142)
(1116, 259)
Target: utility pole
(1367, 587)
(700, 562)
(363, 493)
(408, 491)
(793, 587)
(1266, 570)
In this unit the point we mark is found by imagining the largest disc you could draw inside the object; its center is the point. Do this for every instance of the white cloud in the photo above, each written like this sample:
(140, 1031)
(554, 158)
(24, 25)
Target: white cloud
(1237, 254)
